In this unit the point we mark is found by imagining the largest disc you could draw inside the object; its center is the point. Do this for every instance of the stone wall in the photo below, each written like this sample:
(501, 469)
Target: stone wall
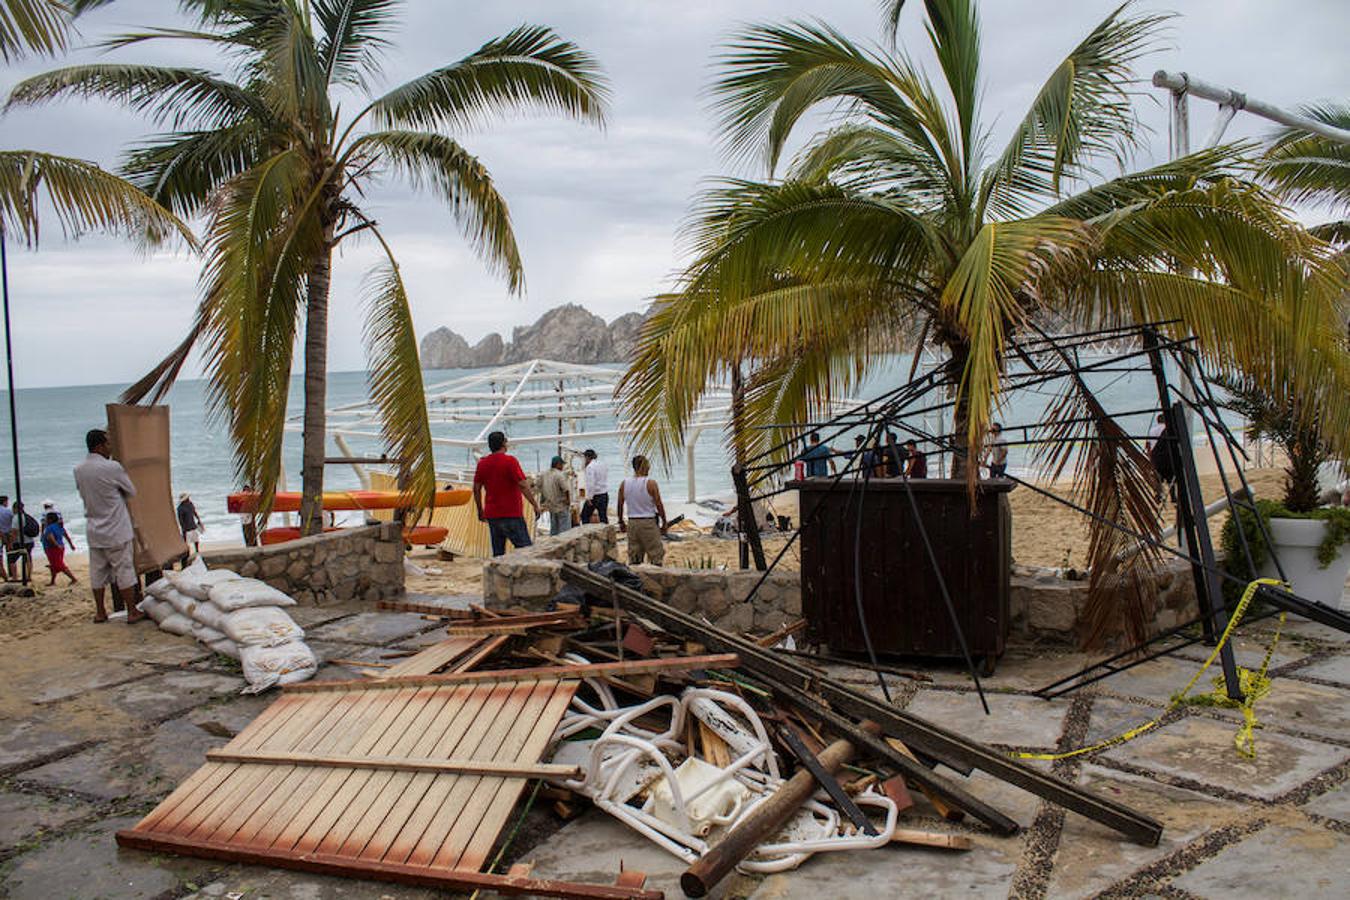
(1048, 607)
(529, 577)
(719, 595)
(354, 563)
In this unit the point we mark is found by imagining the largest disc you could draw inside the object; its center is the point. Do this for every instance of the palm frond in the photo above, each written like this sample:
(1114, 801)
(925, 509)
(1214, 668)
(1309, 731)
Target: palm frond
(775, 74)
(396, 379)
(353, 37)
(435, 162)
(85, 198)
(33, 26)
(288, 67)
(1117, 483)
(1082, 113)
(175, 96)
(981, 300)
(1309, 168)
(181, 170)
(864, 157)
(529, 69)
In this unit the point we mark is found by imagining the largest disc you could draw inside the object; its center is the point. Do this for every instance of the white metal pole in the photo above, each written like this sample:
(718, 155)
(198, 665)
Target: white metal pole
(1183, 83)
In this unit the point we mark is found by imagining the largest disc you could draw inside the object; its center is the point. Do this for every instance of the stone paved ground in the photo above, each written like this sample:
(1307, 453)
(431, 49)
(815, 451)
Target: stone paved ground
(89, 752)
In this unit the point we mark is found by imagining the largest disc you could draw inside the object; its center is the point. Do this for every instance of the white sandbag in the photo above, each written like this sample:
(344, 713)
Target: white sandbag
(210, 615)
(225, 647)
(243, 593)
(198, 584)
(282, 664)
(182, 603)
(261, 626)
(156, 609)
(206, 634)
(161, 587)
(177, 623)
(186, 575)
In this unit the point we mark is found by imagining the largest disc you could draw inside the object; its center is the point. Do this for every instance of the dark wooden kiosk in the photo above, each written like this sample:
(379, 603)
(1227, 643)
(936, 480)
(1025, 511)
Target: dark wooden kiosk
(901, 594)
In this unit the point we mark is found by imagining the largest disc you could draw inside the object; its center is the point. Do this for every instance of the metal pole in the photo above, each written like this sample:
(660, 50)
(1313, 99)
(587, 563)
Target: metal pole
(9, 366)
(1182, 83)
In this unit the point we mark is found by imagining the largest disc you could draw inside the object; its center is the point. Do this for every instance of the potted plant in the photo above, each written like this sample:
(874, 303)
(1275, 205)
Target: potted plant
(1310, 541)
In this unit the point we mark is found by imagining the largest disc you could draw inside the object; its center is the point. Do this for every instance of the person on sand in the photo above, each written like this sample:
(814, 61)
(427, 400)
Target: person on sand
(27, 530)
(646, 515)
(54, 540)
(557, 496)
(247, 523)
(596, 488)
(6, 535)
(998, 452)
(189, 522)
(819, 458)
(104, 487)
(500, 476)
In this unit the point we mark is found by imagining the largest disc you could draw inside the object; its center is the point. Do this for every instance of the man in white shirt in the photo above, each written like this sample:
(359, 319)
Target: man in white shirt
(104, 487)
(596, 492)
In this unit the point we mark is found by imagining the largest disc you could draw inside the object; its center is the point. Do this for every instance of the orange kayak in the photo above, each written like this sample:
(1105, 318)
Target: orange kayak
(289, 501)
(423, 535)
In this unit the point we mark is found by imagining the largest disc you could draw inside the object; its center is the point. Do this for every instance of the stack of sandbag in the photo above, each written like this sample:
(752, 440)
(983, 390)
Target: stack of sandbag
(239, 617)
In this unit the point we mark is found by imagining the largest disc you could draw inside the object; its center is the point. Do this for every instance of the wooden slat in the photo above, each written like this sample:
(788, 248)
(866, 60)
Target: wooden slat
(433, 658)
(485, 649)
(444, 803)
(478, 803)
(409, 790)
(273, 787)
(931, 839)
(400, 764)
(591, 670)
(508, 790)
(234, 784)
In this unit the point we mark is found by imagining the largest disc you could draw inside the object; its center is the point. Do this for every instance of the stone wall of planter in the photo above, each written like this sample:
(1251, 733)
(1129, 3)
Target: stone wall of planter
(528, 578)
(351, 564)
(1046, 606)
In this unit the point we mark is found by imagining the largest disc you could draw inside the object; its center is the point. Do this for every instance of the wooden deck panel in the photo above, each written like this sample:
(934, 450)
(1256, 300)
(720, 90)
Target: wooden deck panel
(432, 658)
(366, 818)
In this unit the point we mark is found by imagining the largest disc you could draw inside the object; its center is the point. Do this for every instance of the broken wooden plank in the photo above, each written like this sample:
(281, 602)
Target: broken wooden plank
(399, 873)
(943, 808)
(590, 670)
(396, 763)
(931, 839)
(782, 634)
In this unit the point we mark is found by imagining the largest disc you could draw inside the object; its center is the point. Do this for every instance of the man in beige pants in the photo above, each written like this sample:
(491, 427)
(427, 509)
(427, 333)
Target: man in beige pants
(646, 515)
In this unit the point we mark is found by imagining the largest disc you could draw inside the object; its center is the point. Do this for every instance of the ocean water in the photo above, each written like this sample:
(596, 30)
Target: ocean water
(53, 421)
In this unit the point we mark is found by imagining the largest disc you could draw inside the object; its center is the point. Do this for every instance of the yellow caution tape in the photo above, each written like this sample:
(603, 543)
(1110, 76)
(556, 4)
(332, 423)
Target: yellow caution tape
(1255, 685)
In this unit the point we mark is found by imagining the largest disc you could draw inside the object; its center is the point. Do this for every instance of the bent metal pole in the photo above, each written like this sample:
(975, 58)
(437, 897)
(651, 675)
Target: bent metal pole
(9, 366)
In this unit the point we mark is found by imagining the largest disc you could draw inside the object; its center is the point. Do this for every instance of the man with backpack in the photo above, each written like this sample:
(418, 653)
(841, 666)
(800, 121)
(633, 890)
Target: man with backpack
(25, 532)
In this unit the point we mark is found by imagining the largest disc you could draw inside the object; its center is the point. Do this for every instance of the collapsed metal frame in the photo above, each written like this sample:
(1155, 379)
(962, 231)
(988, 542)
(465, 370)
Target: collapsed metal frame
(1145, 350)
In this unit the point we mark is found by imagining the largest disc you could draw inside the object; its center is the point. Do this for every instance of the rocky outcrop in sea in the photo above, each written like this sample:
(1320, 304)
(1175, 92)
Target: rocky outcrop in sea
(568, 333)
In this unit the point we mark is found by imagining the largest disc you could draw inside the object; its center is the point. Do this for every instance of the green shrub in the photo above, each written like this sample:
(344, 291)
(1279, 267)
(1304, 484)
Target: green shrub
(1337, 520)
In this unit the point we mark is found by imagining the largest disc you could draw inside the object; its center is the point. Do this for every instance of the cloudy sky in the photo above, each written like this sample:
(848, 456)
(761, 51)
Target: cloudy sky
(597, 213)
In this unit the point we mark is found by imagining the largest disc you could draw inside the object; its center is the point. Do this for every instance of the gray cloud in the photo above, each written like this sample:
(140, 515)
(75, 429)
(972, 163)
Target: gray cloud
(597, 213)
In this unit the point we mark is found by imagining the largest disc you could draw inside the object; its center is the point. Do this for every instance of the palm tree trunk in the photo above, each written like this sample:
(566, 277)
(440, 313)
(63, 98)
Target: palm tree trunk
(958, 355)
(316, 393)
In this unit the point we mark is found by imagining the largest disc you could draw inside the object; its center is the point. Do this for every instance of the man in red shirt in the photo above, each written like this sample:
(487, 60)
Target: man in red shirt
(500, 476)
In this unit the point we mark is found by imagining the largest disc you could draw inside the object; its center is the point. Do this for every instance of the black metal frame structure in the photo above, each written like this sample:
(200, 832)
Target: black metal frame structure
(1048, 359)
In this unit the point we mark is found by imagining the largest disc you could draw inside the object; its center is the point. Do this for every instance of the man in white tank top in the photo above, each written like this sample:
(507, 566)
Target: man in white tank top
(646, 515)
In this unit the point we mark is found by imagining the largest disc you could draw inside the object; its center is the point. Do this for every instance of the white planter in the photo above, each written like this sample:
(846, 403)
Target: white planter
(1296, 542)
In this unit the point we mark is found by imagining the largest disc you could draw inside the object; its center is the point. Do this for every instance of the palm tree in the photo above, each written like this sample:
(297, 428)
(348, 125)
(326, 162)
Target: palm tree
(1309, 168)
(279, 174)
(899, 226)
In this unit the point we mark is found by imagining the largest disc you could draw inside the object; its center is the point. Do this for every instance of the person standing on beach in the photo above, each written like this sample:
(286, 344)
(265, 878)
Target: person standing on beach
(917, 461)
(557, 496)
(247, 523)
(190, 523)
(6, 535)
(895, 457)
(646, 515)
(54, 540)
(596, 491)
(104, 487)
(500, 476)
(998, 452)
(819, 458)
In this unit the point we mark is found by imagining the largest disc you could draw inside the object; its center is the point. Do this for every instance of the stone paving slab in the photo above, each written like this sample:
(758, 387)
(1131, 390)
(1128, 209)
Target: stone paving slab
(92, 675)
(257, 883)
(1013, 719)
(162, 696)
(371, 628)
(227, 718)
(1334, 804)
(1092, 856)
(1202, 749)
(1336, 669)
(161, 649)
(1295, 860)
(1300, 706)
(142, 766)
(308, 617)
(40, 736)
(1249, 651)
(1156, 680)
(90, 864)
(23, 816)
